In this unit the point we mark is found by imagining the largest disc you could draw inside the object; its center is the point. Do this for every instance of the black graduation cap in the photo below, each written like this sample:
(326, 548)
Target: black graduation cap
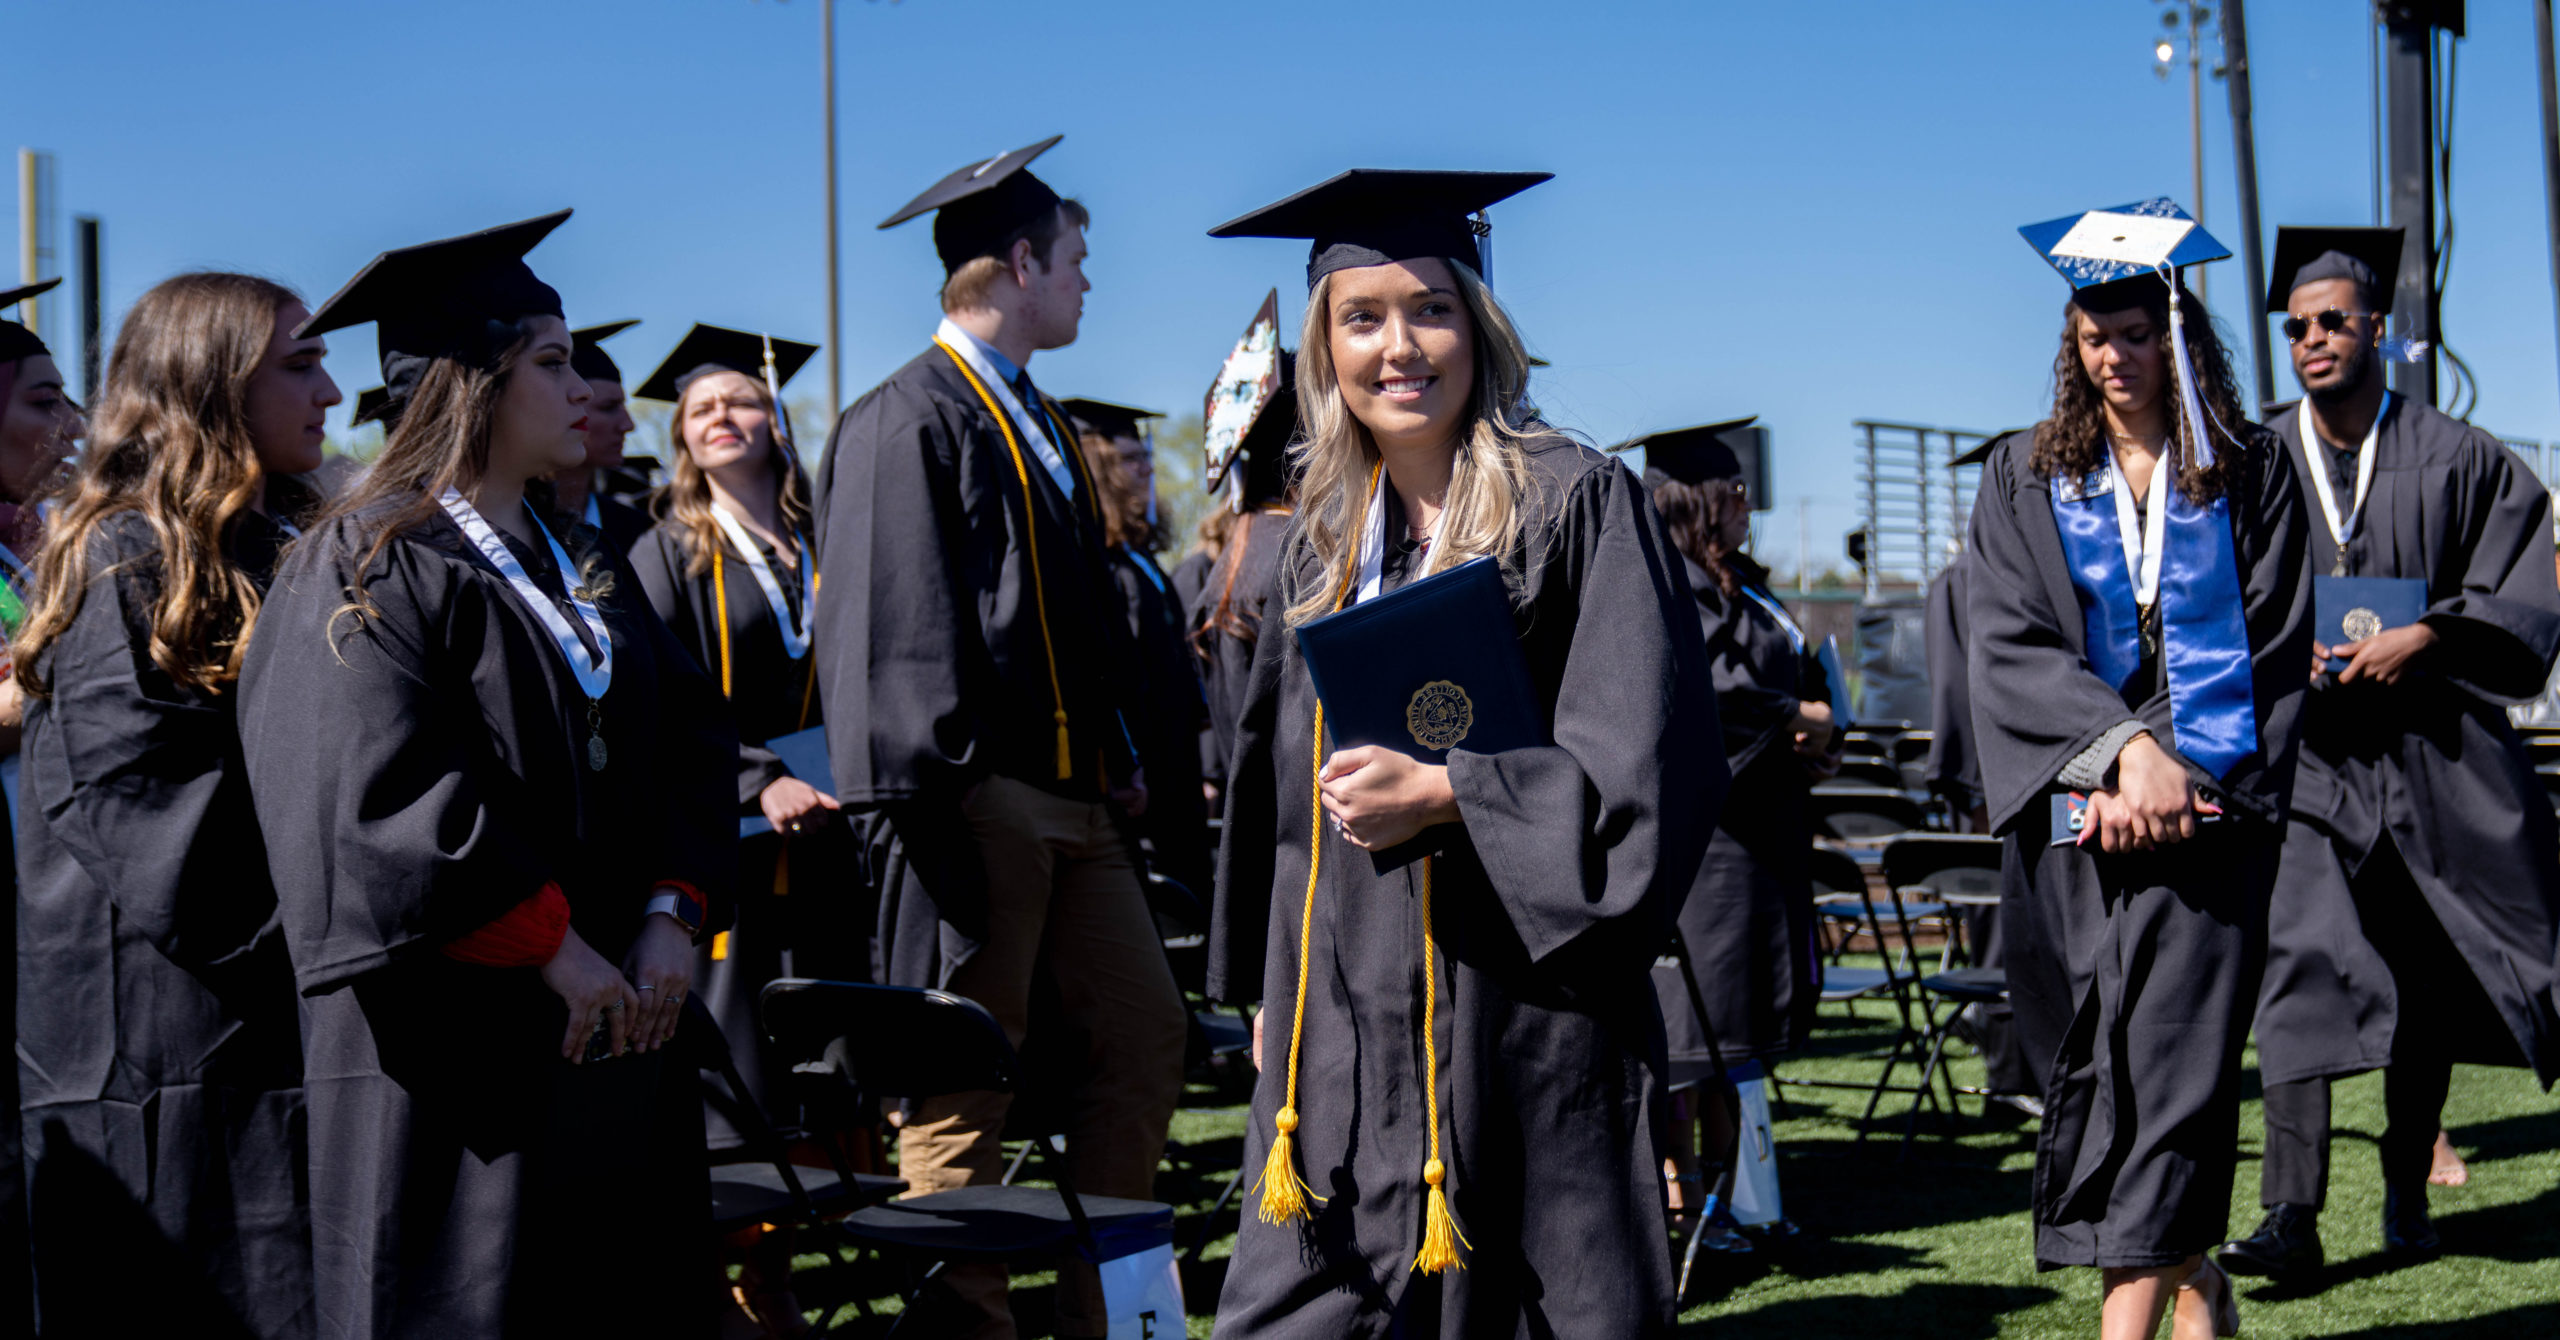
(374, 402)
(1110, 420)
(982, 204)
(16, 341)
(1733, 449)
(1980, 451)
(1254, 377)
(1377, 216)
(2370, 256)
(708, 349)
(587, 355)
(460, 298)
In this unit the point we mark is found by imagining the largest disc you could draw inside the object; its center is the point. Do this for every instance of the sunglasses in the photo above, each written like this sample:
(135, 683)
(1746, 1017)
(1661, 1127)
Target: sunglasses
(2331, 321)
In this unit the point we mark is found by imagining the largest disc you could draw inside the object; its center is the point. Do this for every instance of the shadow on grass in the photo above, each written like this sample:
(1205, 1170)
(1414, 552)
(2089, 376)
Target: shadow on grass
(2532, 1319)
(1922, 1312)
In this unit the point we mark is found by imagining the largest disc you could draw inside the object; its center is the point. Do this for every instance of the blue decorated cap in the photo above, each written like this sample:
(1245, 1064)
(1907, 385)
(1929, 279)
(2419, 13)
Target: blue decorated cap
(2097, 251)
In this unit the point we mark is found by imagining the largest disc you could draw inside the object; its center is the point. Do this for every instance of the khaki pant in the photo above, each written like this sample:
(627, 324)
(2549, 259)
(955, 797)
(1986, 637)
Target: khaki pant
(1061, 893)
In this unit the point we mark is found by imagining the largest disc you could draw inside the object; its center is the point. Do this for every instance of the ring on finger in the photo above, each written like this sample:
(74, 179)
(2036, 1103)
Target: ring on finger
(648, 988)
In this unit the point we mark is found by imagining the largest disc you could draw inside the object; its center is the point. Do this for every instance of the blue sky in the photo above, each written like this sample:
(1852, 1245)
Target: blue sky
(1804, 211)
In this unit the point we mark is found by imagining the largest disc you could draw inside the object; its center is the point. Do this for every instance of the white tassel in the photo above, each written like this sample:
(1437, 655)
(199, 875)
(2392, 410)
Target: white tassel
(2190, 406)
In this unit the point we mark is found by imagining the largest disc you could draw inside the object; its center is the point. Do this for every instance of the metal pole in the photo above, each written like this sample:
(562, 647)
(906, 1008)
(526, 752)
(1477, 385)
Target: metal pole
(2244, 163)
(92, 324)
(28, 310)
(2409, 47)
(2195, 121)
(835, 319)
(2550, 142)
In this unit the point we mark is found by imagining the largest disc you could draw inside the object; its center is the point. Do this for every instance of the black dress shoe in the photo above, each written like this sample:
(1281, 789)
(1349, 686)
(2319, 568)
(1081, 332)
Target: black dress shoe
(2406, 1229)
(2287, 1242)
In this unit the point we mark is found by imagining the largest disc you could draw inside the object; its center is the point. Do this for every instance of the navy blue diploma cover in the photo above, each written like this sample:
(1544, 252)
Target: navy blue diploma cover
(804, 755)
(2351, 609)
(1425, 669)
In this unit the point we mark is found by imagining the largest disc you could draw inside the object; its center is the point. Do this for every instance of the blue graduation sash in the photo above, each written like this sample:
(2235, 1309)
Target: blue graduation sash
(2204, 635)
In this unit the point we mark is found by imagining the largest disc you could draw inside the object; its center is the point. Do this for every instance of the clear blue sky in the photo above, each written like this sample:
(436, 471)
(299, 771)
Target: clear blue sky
(1800, 210)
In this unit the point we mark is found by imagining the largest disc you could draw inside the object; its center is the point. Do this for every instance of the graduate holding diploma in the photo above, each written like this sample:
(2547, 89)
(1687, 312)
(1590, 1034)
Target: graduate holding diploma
(2138, 618)
(1454, 1132)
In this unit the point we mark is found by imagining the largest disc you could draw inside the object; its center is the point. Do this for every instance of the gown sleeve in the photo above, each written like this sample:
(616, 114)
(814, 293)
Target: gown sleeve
(1247, 856)
(143, 765)
(2501, 626)
(901, 655)
(1612, 818)
(381, 832)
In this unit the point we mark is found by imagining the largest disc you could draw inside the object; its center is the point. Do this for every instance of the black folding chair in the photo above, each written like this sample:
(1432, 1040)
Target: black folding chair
(1843, 984)
(1706, 1076)
(903, 1042)
(1863, 814)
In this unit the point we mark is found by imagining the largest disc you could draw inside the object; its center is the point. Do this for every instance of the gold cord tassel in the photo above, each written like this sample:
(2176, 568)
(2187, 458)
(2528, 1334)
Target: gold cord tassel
(1440, 1236)
(1066, 756)
(1285, 1194)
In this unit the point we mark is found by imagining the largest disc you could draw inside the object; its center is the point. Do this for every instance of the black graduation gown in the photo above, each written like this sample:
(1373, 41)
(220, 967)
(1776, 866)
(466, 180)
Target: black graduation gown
(621, 524)
(1189, 576)
(1748, 920)
(418, 773)
(931, 655)
(1954, 770)
(158, 1050)
(2131, 974)
(1246, 579)
(1170, 713)
(1547, 908)
(2432, 764)
(796, 909)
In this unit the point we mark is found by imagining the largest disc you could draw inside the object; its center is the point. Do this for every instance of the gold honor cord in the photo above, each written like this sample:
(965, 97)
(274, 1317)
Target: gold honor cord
(1284, 1194)
(1031, 530)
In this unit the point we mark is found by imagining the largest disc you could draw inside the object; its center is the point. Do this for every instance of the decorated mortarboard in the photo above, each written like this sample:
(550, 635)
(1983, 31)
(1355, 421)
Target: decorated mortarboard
(2099, 251)
(1378, 216)
(981, 205)
(1251, 379)
(1110, 420)
(708, 349)
(460, 298)
(1732, 449)
(16, 341)
(2369, 256)
(587, 355)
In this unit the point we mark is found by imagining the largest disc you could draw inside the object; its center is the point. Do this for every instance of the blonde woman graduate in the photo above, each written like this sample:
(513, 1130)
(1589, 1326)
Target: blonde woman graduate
(1456, 1127)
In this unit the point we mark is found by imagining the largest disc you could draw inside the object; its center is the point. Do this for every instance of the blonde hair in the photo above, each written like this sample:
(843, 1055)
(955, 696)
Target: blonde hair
(1483, 513)
(687, 500)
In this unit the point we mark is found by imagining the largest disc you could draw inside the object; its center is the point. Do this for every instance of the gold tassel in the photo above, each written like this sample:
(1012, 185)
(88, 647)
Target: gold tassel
(1284, 1193)
(1440, 1236)
(1066, 756)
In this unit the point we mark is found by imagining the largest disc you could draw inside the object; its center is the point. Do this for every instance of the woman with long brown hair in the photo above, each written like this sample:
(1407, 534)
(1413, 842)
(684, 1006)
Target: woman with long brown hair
(1748, 921)
(1461, 1052)
(491, 789)
(163, 1104)
(1169, 711)
(2137, 641)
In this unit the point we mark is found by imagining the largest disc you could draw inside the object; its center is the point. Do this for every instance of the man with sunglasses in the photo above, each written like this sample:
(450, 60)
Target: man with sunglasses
(2413, 913)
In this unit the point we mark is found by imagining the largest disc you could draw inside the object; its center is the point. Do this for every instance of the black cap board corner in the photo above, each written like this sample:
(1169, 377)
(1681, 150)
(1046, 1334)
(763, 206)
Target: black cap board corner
(587, 355)
(16, 341)
(978, 206)
(1981, 451)
(707, 349)
(2370, 256)
(1730, 449)
(1109, 419)
(371, 403)
(477, 276)
(1378, 216)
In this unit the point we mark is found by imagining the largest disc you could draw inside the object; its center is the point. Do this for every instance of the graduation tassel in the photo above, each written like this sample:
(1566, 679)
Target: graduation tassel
(1066, 756)
(1284, 1193)
(1440, 1236)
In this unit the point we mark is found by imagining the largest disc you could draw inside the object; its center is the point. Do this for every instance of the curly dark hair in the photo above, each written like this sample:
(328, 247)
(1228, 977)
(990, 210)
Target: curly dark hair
(2073, 438)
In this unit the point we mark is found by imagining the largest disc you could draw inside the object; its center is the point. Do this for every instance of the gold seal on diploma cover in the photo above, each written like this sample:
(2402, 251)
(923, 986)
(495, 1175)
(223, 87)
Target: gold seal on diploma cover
(2360, 623)
(1439, 715)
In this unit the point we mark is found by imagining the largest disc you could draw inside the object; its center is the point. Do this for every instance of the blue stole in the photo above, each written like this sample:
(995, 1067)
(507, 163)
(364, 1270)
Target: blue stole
(2204, 633)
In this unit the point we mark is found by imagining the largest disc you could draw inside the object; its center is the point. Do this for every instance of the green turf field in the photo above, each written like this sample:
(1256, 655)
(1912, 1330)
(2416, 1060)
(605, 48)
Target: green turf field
(1937, 1247)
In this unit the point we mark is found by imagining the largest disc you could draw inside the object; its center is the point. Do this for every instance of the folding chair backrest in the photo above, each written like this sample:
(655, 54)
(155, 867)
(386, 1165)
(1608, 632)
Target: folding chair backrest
(1943, 862)
(1870, 771)
(896, 1041)
(1855, 813)
(1178, 911)
(1836, 872)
